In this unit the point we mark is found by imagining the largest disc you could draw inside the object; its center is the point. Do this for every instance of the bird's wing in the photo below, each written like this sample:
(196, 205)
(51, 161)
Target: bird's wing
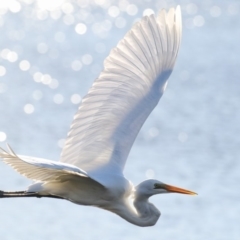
(121, 98)
(41, 170)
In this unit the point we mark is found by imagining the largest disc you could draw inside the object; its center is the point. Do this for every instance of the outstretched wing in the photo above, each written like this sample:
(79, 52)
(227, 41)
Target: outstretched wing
(122, 97)
(42, 170)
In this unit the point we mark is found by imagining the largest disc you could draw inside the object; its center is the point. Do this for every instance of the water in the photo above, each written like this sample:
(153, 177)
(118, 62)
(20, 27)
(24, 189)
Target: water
(191, 139)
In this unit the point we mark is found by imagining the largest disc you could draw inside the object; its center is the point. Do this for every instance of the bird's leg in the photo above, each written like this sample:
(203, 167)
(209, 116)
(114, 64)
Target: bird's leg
(4, 194)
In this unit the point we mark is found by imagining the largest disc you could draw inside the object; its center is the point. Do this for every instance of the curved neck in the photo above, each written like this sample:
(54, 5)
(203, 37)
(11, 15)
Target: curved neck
(140, 212)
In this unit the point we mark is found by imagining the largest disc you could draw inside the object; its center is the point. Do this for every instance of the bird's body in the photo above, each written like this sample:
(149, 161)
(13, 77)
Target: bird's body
(90, 171)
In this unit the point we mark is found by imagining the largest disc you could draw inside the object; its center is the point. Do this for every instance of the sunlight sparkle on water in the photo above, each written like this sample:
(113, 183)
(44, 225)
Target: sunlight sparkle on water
(12, 56)
(3, 136)
(132, 9)
(81, 28)
(2, 71)
(50, 5)
(153, 132)
(56, 14)
(198, 21)
(61, 142)
(28, 108)
(215, 11)
(67, 8)
(14, 6)
(68, 19)
(24, 65)
(76, 98)
(191, 8)
(42, 14)
(113, 11)
(148, 12)
(87, 59)
(76, 65)
(37, 76)
(46, 79)
(54, 83)
(4, 53)
(233, 9)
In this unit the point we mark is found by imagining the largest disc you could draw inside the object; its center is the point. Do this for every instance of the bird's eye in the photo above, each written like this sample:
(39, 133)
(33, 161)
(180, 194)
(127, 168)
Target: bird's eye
(155, 185)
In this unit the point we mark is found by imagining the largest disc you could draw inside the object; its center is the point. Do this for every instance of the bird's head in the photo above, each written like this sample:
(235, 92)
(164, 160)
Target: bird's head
(151, 187)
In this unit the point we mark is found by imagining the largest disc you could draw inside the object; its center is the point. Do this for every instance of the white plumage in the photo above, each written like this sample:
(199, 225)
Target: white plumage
(90, 170)
(125, 93)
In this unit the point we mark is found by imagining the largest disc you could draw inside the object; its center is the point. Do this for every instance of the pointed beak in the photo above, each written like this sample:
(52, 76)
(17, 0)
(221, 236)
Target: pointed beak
(173, 189)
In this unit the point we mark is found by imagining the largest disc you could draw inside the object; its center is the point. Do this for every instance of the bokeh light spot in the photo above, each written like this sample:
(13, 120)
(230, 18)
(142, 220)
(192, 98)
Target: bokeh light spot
(24, 65)
(87, 59)
(61, 142)
(132, 9)
(148, 12)
(12, 56)
(76, 98)
(3, 136)
(50, 5)
(113, 11)
(54, 83)
(191, 8)
(67, 8)
(14, 6)
(81, 28)
(198, 21)
(215, 11)
(68, 19)
(2, 71)
(76, 65)
(28, 108)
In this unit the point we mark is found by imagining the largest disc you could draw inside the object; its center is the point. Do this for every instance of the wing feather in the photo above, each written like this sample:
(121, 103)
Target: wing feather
(121, 98)
(40, 169)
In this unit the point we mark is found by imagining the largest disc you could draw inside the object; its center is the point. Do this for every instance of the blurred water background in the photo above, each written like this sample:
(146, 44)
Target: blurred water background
(50, 53)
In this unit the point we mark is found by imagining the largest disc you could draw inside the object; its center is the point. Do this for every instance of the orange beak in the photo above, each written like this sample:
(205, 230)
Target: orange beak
(173, 189)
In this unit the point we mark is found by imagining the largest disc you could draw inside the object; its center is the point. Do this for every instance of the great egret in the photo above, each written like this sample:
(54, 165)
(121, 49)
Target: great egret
(90, 171)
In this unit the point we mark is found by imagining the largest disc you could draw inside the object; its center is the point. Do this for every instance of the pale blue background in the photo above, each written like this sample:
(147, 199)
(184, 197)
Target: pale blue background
(191, 139)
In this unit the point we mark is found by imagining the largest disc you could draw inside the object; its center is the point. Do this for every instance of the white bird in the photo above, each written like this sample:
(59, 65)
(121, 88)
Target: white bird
(90, 171)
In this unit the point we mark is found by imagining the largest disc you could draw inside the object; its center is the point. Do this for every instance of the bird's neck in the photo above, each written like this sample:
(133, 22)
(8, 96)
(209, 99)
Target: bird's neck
(139, 212)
